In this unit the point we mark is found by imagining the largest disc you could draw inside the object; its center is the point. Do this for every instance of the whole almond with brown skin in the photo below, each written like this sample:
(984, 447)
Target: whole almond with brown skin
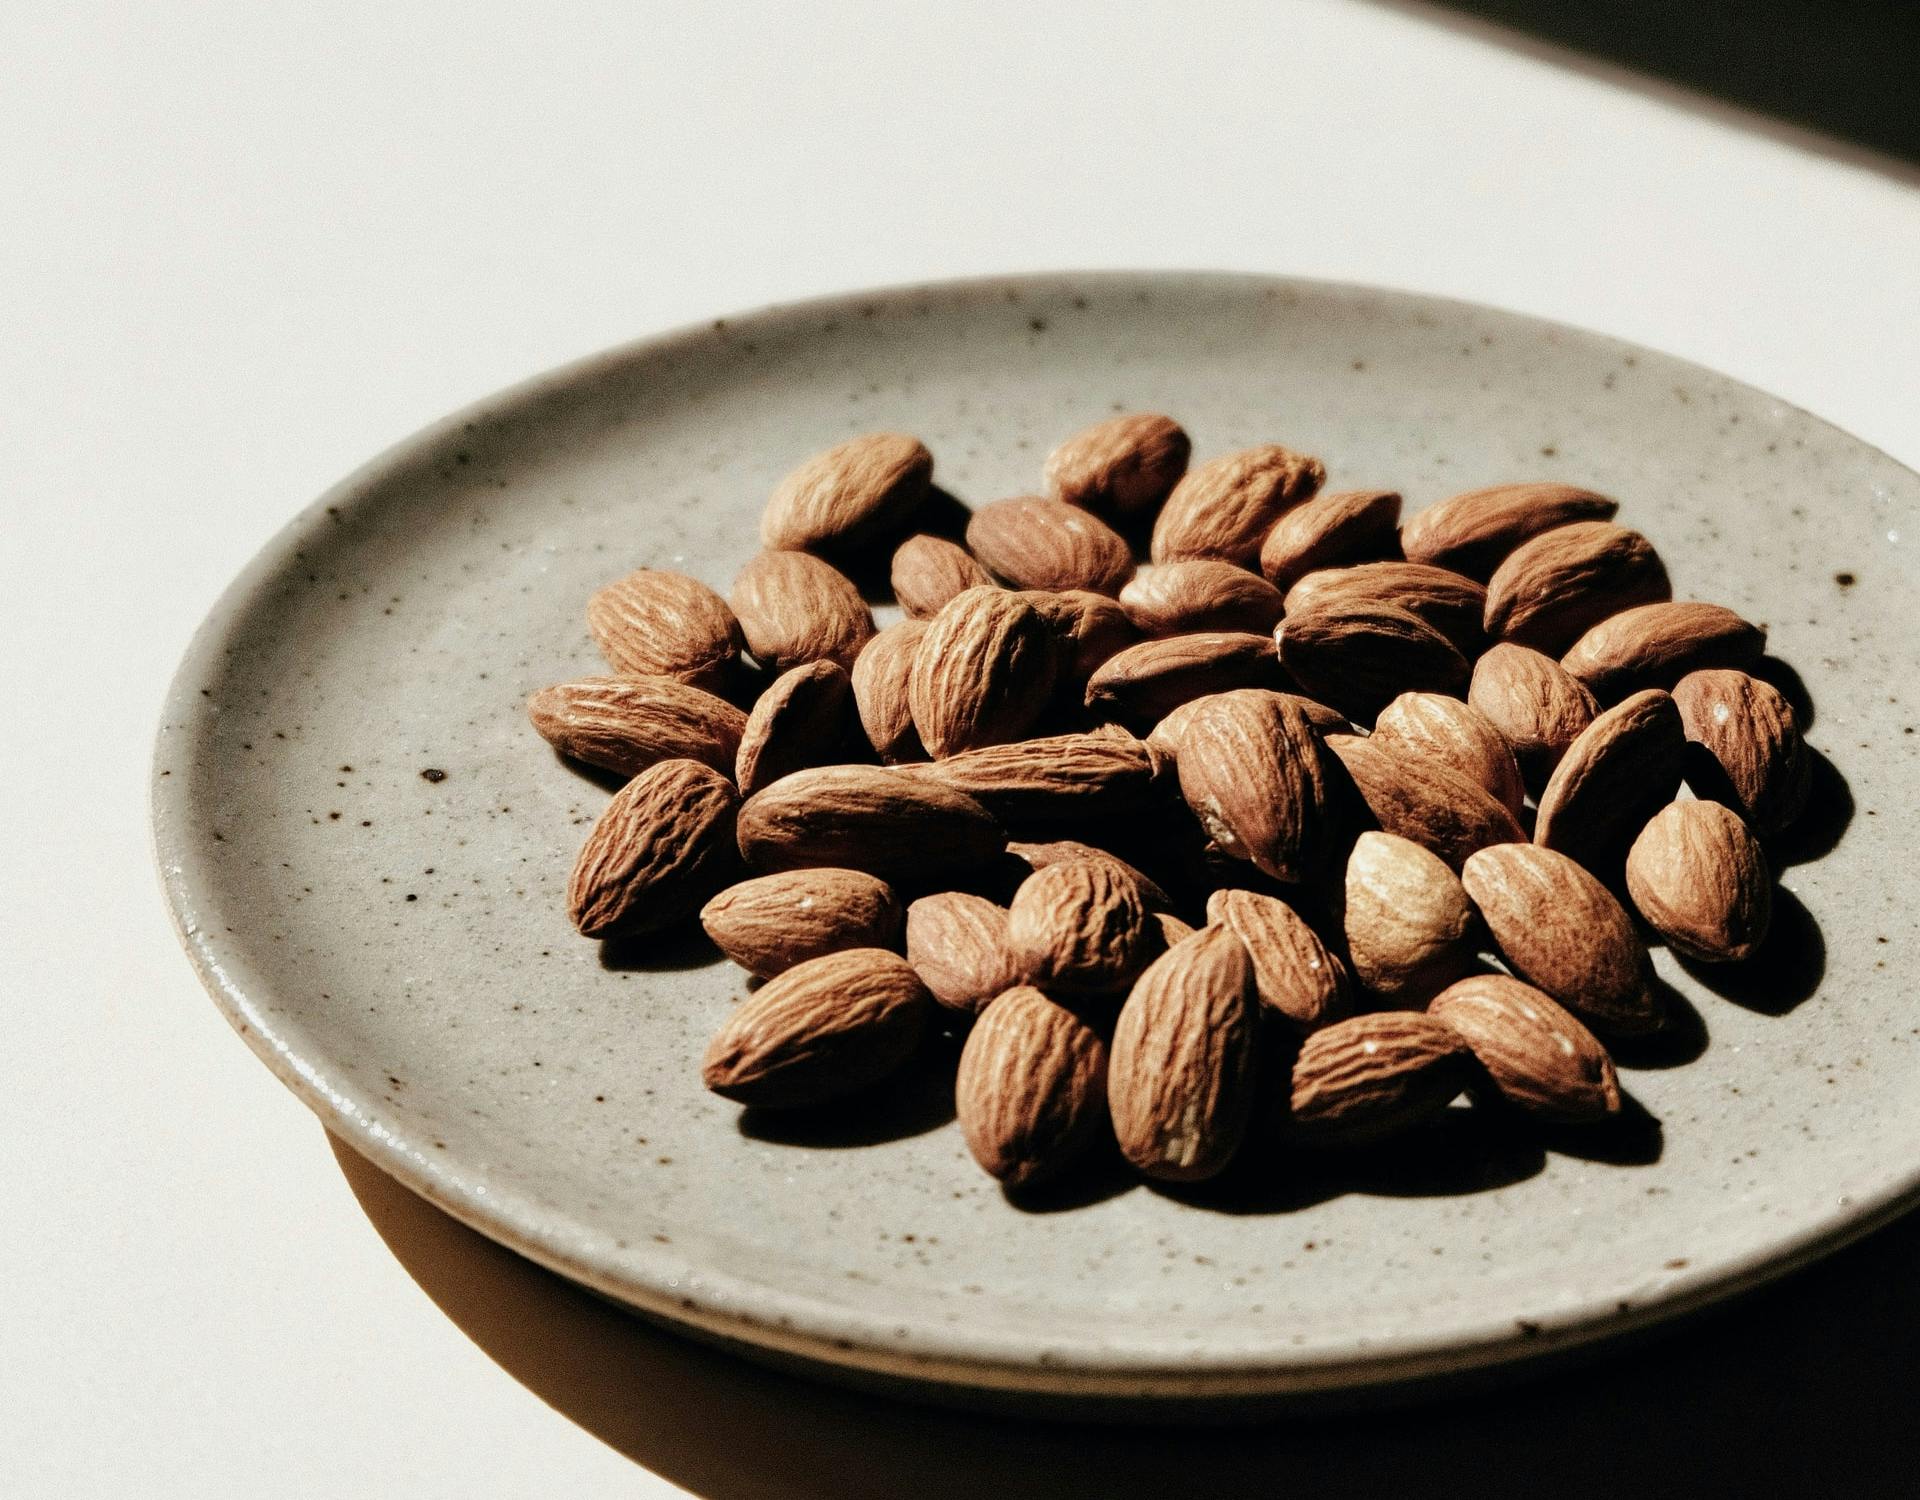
(982, 673)
(1254, 773)
(654, 623)
(1552, 589)
(1145, 683)
(927, 571)
(871, 818)
(1089, 627)
(1561, 929)
(1296, 976)
(1358, 657)
(1452, 604)
(957, 943)
(849, 495)
(662, 846)
(1373, 1075)
(1036, 543)
(1172, 929)
(1330, 531)
(1701, 881)
(1039, 856)
(772, 922)
(1655, 645)
(1425, 800)
(1623, 768)
(1171, 730)
(625, 724)
(1180, 1070)
(1226, 507)
(795, 609)
(1079, 929)
(1200, 593)
(879, 679)
(1055, 781)
(1031, 1091)
(1538, 1056)
(1124, 466)
(1537, 705)
(1744, 747)
(802, 720)
(1474, 532)
(1456, 734)
(824, 1029)
(1410, 927)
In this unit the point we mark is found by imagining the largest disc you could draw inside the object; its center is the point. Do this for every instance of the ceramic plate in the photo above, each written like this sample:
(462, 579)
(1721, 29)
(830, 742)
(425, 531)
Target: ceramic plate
(365, 848)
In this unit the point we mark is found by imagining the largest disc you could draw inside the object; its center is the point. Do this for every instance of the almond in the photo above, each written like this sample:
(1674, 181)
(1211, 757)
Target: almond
(1701, 881)
(1655, 645)
(1226, 507)
(1329, 531)
(1079, 928)
(1455, 734)
(1254, 773)
(1168, 733)
(1124, 466)
(1425, 800)
(795, 609)
(982, 673)
(1089, 627)
(1623, 768)
(770, 923)
(1561, 929)
(1474, 532)
(1054, 781)
(957, 943)
(1410, 928)
(1180, 1071)
(1031, 1092)
(879, 679)
(662, 846)
(1552, 589)
(1744, 747)
(1538, 1056)
(1178, 598)
(1452, 604)
(1359, 656)
(1039, 856)
(885, 822)
(850, 494)
(824, 1029)
(1296, 976)
(801, 720)
(1035, 543)
(1537, 705)
(1172, 929)
(1147, 682)
(625, 724)
(653, 623)
(1370, 1076)
(927, 571)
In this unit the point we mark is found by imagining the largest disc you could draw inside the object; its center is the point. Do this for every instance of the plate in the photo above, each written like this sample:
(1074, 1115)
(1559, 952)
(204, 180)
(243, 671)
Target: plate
(365, 848)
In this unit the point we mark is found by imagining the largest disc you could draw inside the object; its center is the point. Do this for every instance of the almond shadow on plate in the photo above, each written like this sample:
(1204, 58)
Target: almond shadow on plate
(1785, 970)
(1819, 828)
(916, 1099)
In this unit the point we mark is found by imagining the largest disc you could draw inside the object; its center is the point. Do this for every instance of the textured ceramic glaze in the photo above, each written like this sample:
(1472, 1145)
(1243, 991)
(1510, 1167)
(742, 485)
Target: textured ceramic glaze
(365, 846)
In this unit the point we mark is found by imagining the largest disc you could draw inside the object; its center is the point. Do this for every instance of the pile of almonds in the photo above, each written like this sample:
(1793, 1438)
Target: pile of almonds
(1413, 781)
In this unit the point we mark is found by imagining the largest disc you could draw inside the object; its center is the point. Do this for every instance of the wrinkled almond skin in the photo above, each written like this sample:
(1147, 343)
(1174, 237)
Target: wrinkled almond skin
(1623, 768)
(1456, 734)
(654, 623)
(849, 495)
(1655, 645)
(1358, 657)
(1166, 735)
(1331, 531)
(795, 609)
(1172, 929)
(663, 845)
(1553, 588)
(1422, 799)
(957, 943)
(1452, 604)
(1225, 508)
(1701, 881)
(1200, 593)
(1036, 543)
(885, 822)
(927, 571)
(772, 922)
(1537, 705)
(1410, 927)
(1744, 747)
(982, 673)
(1079, 928)
(625, 724)
(1370, 1076)
(802, 720)
(1254, 774)
(1539, 1058)
(1296, 976)
(1089, 627)
(1053, 782)
(1124, 466)
(1473, 533)
(1562, 930)
(824, 1029)
(1031, 1091)
(1180, 1070)
(1040, 855)
(1145, 683)
(879, 678)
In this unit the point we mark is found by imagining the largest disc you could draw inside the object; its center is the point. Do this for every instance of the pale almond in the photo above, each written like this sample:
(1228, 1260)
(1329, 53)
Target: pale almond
(927, 571)
(1537, 1055)
(803, 719)
(1296, 976)
(795, 609)
(850, 494)
(1031, 1090)
(1552, 589)
(885, 822)
(772, 922)
(1624, 766)
(1700, 878)
(1124, 466)
(1456, 734)
(1225, 508)
(1655, 645)
(1331, 531)
(1036, 543)
(1178, 598)
(1079, 928)
(661, 847)
(1474, 532)
(1410, 927)
(1744, 747)
(1538, 706)
(654, 623)
(957, 943)
(625, 724)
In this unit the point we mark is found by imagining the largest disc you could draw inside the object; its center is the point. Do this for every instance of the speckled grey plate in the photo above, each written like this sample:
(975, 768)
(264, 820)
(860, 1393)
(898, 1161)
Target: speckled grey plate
(392, 942)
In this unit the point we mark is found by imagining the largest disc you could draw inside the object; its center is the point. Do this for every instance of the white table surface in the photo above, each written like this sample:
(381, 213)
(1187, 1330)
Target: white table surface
(247, 246)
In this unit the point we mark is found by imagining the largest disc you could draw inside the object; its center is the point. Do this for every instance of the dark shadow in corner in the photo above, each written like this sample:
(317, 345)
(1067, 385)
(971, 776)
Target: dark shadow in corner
(1682, 1039)
(1786, 969)
(680, 947)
